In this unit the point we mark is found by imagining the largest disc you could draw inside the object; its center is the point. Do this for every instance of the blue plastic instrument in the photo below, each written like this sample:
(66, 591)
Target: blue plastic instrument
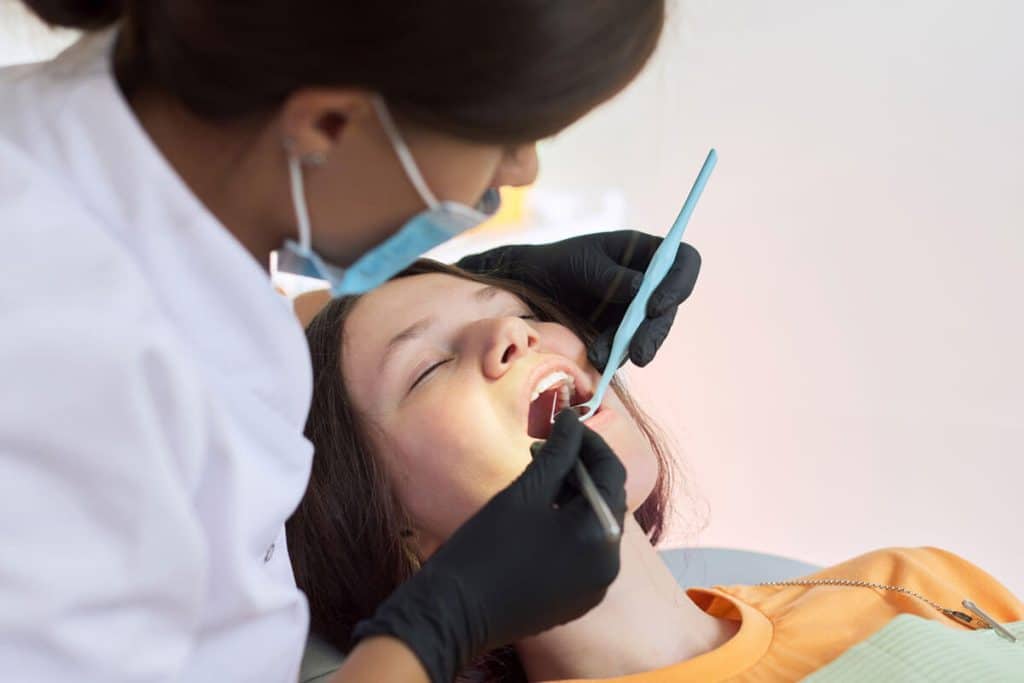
(660, 263)
(636, 312)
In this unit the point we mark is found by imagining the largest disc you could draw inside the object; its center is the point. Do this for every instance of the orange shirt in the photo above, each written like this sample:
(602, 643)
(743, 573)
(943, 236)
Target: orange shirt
(787, 632)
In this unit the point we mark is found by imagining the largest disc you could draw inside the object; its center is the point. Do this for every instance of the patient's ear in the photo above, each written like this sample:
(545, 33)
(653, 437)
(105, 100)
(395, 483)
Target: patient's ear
(307, 305)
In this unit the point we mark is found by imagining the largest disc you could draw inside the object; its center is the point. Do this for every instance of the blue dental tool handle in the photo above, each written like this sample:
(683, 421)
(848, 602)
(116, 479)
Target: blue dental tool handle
(660, 263)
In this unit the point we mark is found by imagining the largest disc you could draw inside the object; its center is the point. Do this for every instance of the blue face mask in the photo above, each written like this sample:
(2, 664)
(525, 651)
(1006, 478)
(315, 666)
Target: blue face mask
(441, 221)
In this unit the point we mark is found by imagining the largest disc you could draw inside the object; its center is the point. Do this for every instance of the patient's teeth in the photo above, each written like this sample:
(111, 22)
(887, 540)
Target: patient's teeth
(551, 380)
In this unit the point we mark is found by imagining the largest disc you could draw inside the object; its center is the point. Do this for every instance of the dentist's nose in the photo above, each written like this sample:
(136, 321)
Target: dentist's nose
(505, 341)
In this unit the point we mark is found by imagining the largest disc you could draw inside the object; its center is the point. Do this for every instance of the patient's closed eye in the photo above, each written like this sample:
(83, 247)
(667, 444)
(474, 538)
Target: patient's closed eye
(427, 372)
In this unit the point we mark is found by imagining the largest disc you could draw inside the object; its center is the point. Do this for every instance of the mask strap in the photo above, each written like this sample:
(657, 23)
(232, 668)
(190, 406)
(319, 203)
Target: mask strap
(404, 155)
(299, 200)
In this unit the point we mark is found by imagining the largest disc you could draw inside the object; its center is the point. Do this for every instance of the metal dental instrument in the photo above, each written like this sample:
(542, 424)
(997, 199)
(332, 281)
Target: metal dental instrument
(610, 525)
(660, 263)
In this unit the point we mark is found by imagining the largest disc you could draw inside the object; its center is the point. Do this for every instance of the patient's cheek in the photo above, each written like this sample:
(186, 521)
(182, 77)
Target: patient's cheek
(556, 338)
(444, 471)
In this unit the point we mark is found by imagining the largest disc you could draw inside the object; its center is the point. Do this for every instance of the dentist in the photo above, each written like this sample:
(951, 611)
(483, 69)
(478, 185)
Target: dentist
(155, 387)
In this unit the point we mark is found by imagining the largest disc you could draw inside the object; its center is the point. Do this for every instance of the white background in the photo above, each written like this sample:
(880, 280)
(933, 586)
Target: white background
(848, 374)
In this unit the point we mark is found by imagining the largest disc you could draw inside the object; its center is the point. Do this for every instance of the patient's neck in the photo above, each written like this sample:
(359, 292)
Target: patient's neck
(645, 622)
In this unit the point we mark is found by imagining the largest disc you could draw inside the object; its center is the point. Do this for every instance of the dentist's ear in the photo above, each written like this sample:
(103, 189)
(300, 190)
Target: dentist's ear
(313, 120)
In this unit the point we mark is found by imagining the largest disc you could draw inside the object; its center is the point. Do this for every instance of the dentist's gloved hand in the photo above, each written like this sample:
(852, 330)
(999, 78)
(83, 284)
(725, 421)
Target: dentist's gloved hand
(597, 276)
(518, 567)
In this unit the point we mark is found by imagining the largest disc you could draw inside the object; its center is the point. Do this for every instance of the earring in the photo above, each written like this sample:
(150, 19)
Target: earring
(314, 159)
(310, 159)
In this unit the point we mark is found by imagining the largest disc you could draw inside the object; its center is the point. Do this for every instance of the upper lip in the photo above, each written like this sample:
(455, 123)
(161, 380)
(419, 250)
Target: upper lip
(584, 387)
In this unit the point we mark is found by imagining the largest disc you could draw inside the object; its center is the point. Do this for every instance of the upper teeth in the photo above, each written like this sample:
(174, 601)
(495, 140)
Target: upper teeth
(550, 380)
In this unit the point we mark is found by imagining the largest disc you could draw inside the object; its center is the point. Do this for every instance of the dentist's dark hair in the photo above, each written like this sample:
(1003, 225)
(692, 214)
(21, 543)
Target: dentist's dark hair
(347, 540)
(499, 71)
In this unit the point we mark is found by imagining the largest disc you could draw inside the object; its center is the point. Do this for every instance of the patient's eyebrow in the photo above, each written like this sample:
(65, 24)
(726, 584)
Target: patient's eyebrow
(420, 326)
(487, 293)
(408, 334)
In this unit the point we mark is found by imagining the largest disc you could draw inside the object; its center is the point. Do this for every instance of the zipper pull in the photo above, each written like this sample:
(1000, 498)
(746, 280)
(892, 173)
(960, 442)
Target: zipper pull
(989, 621)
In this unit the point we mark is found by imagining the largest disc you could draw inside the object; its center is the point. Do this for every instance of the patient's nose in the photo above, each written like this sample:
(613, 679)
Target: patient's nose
(506, 340)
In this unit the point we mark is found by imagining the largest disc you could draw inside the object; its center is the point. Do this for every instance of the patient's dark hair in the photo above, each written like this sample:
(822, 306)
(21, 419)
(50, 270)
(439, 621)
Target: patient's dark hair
(346, 538)
(498, 71)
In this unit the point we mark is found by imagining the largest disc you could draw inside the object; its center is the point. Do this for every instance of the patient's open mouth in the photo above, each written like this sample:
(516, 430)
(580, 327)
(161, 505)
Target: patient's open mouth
(554, 392)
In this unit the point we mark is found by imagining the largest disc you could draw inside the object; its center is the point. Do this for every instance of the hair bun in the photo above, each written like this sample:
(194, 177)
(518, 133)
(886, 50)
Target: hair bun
(82, 14)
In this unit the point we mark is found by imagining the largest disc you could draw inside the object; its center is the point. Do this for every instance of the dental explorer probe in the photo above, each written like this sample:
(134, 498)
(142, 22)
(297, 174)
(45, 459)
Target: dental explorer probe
(609, 525)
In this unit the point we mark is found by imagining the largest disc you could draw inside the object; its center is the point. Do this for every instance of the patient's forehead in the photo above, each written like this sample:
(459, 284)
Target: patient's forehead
(389, 309)
(384, 312)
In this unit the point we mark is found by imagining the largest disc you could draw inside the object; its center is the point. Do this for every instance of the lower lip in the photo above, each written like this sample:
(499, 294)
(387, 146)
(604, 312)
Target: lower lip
(602, 415)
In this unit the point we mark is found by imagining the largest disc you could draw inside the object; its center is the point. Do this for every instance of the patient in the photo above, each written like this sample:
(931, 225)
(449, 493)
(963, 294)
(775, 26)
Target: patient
(433, 412)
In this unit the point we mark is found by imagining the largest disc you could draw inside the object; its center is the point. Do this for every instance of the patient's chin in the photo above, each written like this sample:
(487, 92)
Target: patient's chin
(640, 462)
(639, 483)
(639, 491)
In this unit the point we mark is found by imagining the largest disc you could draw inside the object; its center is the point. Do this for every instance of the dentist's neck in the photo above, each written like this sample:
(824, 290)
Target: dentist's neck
(645, 622)
(223, 165)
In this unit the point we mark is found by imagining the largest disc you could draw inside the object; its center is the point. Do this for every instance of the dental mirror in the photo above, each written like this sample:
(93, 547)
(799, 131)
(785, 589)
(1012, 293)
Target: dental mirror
(660, 263)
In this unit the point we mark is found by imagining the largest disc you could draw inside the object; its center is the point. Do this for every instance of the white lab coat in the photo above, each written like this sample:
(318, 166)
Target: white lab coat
(153, 391)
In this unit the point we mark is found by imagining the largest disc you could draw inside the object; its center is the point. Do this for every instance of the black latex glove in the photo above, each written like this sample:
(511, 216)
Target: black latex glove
(596, 276)
(519, 566)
